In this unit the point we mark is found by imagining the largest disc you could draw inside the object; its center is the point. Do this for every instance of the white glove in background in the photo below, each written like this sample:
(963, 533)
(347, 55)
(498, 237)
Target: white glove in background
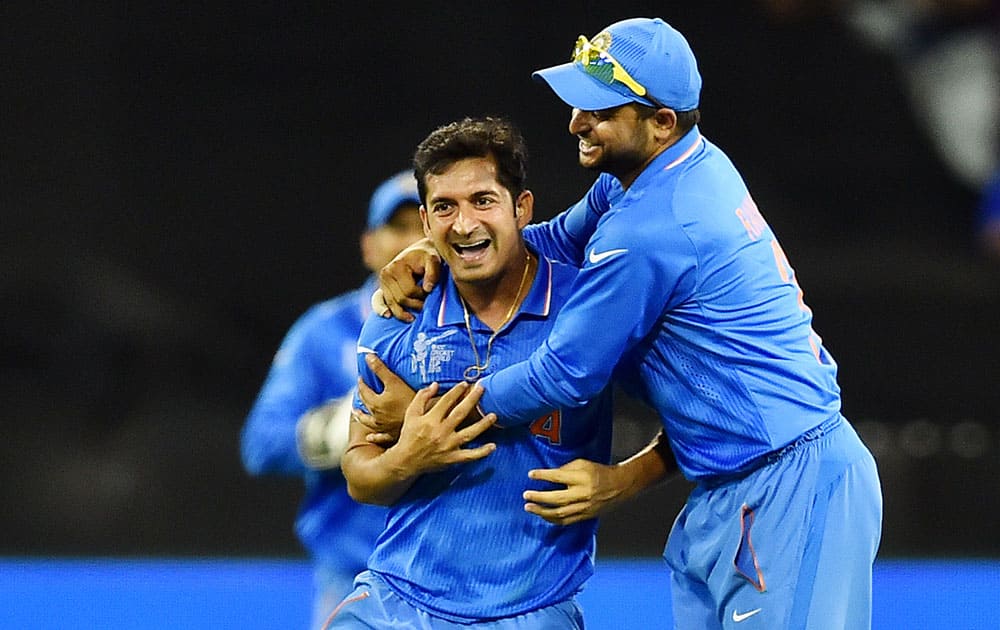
(322, 433)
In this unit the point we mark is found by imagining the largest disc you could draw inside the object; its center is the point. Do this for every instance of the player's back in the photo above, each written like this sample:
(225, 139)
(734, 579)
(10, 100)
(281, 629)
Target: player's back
(732, 364)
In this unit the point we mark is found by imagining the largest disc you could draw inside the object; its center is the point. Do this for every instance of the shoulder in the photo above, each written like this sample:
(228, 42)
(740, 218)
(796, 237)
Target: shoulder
(561, 285)
(380, 332)
(562, 273)
(377, 331)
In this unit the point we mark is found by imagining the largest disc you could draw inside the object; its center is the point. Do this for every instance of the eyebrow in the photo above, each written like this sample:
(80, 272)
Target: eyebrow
(475, 195)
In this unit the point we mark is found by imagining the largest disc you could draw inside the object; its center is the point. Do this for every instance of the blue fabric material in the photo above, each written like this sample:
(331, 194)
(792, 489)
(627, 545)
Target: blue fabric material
(699, 312)
(399, 189)
(314, 364)
(374, 604)
(517, 562)
(651, 51)
(800, 553)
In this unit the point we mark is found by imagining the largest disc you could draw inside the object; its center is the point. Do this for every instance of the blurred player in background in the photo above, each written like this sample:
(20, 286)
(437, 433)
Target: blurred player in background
(459, 550)
(686, 296)
(298, 424)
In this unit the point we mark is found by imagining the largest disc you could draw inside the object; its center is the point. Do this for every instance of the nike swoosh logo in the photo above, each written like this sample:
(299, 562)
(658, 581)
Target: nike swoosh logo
(596, 258)
(738, 617)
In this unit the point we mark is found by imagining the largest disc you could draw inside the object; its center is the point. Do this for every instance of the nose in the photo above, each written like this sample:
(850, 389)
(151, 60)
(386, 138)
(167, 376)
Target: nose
(465, 220)
(579, 121)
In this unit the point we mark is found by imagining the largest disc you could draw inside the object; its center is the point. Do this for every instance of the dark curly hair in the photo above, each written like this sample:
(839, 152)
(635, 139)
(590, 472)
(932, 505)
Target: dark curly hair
(470, 138)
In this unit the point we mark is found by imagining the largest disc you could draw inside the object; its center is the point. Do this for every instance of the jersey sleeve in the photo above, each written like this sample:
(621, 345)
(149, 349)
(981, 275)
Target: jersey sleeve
(378, 335)
(631, 274)
(565, 237)
(303, 375)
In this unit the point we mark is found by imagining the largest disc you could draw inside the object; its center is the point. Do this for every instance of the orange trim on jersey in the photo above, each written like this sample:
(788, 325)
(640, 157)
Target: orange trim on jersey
(685, 155)
(751, 218)
(364, 595)
(444, 300)
(548, 291)
(758, 583)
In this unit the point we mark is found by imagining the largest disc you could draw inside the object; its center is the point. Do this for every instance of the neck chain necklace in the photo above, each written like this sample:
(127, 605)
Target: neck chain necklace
(473, 372)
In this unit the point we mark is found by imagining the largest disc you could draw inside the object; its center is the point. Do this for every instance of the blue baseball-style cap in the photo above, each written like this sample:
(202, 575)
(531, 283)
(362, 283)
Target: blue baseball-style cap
(642, 60)
(394, 192)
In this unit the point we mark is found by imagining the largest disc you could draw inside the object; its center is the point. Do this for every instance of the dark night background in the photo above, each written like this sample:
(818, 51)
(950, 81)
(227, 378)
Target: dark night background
(181, 181)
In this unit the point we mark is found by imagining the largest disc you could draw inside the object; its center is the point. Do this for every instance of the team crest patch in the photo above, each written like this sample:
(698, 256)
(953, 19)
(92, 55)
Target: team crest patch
(428, 355)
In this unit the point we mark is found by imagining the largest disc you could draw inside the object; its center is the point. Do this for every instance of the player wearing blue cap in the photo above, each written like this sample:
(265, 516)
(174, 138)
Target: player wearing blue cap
(298, 424)
(685, 284)
(459, 550)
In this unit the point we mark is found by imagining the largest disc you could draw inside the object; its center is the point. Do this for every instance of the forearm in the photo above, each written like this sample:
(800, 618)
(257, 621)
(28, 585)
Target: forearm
(267, 444)
(651, 465)
(565, 237)
(374, 474)
(521, 393)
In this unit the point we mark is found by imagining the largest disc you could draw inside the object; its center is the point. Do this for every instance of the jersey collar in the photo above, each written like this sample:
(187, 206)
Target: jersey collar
(674, 156)
(538, 301)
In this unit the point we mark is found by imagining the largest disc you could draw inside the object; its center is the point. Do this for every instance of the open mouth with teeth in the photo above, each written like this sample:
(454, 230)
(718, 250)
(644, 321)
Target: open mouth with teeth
(469, 251)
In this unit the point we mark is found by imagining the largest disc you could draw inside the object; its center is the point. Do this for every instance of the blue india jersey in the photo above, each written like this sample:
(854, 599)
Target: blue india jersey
(685, 282)
(459, 544)
(315, 363)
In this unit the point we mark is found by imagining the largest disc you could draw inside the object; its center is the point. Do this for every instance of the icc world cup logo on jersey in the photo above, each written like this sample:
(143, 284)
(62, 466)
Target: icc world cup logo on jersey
(427, 355)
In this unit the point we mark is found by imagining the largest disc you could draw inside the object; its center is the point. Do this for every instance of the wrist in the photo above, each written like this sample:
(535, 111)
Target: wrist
(628, 478)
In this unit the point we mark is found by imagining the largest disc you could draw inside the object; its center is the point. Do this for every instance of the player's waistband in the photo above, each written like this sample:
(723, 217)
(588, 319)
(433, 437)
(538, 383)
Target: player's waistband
(826, 427)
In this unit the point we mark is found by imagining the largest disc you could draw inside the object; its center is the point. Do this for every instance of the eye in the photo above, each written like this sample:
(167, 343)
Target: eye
(442, 208)
(485, 201)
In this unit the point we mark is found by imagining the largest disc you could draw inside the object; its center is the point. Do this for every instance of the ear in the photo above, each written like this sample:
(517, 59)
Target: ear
(664, 123)
(524, 208)
(423, 220)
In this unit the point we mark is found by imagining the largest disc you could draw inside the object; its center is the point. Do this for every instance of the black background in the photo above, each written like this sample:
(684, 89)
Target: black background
(181, 181)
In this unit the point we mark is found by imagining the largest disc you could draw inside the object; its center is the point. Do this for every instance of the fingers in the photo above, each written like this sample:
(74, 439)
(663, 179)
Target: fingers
(400, 290)
(381, 370)
(563, 506)
(367, 394)
(422, 399)
(550, 498)
(568, 504)
(379, 304)
(399, 280)
(562, 475)
(550, 501)
(432, 269)
(563, 515)
(449, 409)
(381, 439)
(477, 428)
(399, 311)
(393, 292)
(463, 455)
(423, 261)
(467, 404)
(368, 421)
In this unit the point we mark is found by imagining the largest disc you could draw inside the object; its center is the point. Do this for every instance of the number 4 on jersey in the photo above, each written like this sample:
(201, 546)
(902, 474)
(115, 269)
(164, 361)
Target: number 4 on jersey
(549, 427)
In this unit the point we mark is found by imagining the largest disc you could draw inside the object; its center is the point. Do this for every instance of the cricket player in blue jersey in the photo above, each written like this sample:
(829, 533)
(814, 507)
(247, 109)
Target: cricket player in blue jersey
(684, 283)
(452, 488)
(298, 424)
